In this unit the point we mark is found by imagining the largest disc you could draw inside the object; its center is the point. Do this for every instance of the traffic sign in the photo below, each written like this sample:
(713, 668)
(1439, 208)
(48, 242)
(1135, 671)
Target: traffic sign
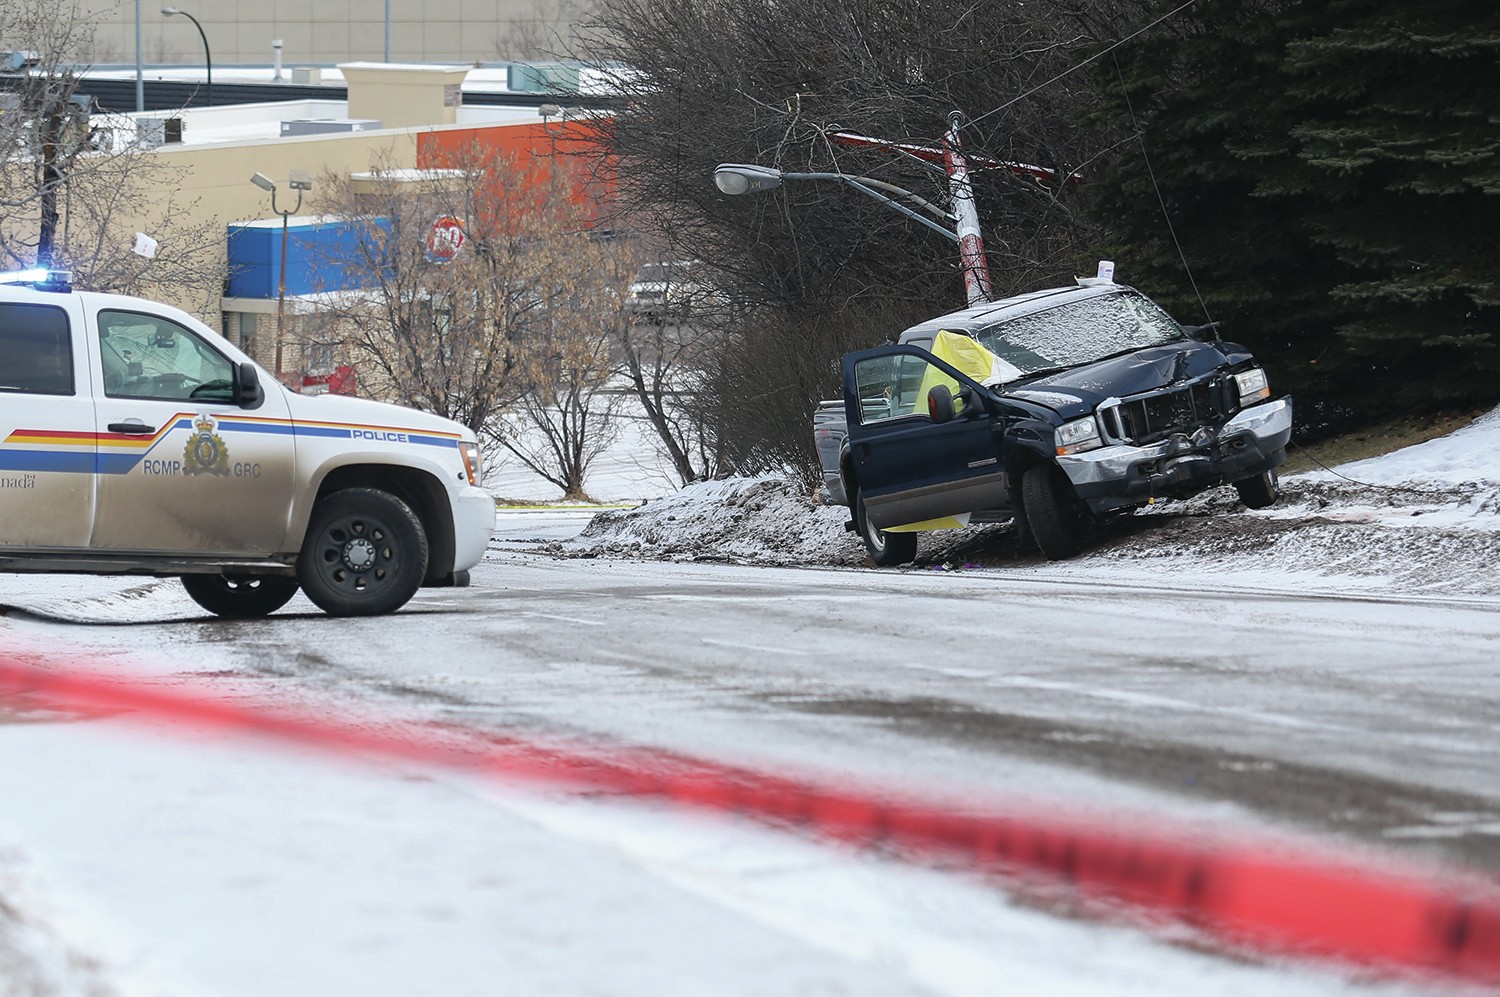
(445, 239)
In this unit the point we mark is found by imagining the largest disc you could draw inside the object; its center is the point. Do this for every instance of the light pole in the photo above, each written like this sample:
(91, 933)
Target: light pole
(298, 180)
(140, 85)
(747, 178)
(208, 61)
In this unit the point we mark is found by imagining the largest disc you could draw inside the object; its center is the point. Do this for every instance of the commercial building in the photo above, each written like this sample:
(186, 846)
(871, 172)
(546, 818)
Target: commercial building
(325, 32)
(409, 119)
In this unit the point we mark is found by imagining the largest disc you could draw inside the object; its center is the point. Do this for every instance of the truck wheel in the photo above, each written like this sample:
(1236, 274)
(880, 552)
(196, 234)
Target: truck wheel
(240, 597)
(1058, 518)
(1260, 491)
(365, 553)
(886, 549)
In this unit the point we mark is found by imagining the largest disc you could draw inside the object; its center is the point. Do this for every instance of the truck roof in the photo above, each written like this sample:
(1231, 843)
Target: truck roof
(978, 317)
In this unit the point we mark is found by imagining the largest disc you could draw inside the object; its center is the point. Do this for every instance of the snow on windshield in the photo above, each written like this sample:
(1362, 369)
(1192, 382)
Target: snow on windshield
(1080, 331)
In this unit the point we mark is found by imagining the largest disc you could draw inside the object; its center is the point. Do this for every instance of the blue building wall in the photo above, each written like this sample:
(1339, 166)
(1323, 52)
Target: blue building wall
(320, 256)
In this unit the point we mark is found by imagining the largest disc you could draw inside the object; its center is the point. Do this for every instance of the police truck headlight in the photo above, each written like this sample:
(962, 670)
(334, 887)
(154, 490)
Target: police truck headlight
(473, 463)
(1077, 436)
(1253, 386)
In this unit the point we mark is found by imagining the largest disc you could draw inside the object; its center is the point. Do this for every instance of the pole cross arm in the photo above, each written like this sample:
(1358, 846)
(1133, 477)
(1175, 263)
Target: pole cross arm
(934, 154)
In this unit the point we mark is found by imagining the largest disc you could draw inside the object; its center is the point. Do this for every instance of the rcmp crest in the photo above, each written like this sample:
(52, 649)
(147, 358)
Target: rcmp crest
(205, 452)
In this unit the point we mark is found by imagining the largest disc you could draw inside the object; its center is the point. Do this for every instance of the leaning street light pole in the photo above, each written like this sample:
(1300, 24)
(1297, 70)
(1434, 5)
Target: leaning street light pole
(299, 180)
(738, 178)
(971, 256)
(208, 61)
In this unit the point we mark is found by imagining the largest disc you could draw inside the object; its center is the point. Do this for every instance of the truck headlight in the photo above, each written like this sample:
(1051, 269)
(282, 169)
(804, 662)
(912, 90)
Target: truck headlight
(473, 463)
(1252, 385)
(1077, 436)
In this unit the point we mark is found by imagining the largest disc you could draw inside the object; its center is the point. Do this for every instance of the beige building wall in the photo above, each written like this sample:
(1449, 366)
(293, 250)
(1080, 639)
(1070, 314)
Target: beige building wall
(324, 32)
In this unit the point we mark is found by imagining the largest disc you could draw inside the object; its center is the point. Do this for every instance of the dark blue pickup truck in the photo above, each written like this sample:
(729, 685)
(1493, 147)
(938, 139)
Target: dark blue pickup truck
(1084, 401)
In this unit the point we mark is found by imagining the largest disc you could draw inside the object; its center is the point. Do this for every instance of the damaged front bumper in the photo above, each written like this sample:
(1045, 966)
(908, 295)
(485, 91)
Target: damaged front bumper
(1183, 464)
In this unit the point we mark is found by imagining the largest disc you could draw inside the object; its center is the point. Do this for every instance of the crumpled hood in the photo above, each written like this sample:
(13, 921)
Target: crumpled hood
(1075, 393)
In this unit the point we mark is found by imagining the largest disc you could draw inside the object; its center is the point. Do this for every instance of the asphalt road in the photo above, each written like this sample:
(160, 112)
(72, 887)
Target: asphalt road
(1362, 717)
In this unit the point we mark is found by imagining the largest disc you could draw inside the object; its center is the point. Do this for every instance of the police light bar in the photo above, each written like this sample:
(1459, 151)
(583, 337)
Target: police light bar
(40, 278)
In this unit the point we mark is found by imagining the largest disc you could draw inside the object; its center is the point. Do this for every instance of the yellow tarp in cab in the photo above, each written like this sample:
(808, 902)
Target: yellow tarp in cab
(964, 353)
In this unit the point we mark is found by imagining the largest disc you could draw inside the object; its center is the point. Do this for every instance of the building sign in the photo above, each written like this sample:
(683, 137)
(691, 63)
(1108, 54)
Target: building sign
(445, 239)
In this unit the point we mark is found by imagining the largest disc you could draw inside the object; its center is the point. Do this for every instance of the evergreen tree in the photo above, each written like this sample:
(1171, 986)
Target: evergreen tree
(1393, 115)
(1330, 172)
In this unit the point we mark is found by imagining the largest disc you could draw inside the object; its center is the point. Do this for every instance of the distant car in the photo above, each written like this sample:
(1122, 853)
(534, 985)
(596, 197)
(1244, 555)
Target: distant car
(1051, 408)
(665, 291)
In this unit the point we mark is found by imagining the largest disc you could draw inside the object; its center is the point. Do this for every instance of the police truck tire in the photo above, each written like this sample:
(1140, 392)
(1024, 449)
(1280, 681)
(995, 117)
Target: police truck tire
(1260, 491)
(365, 553)
(240, 597)
(886, 549)
(1058, 518)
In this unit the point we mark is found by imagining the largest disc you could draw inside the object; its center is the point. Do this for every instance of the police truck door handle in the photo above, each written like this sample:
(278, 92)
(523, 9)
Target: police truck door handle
(132, 428)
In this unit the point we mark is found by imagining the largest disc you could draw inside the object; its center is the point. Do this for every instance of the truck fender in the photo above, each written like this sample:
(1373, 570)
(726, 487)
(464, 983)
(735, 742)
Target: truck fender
(1026, 443)
(417, 482)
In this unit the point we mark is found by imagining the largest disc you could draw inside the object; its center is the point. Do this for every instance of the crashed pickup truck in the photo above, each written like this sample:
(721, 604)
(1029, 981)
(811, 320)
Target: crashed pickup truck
(1054, 409)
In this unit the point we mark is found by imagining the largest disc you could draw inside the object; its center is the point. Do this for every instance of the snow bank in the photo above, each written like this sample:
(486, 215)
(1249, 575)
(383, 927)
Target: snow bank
(770, 519)
(1425, 519)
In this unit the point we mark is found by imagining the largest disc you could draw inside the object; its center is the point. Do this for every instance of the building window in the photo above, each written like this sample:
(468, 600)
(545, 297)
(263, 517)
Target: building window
(248, 325)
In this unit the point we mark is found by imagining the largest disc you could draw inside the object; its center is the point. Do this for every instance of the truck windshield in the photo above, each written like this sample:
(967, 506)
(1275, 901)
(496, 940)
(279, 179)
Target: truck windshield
(1080, 332)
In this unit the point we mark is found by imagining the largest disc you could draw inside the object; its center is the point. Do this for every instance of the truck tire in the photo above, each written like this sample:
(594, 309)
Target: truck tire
(365, 553)
(886, 549)
(1058, 518)
(1260, 491)
(240, 597)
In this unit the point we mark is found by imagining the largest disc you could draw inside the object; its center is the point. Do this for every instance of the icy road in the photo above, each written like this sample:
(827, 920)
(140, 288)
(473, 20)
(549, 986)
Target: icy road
(133, 860)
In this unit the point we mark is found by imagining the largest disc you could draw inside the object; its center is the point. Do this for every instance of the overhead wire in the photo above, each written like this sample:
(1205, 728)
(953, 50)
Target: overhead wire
(1073, 69)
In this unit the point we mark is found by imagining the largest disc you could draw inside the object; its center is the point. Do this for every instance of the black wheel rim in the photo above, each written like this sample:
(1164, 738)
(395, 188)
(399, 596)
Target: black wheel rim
(357, 556)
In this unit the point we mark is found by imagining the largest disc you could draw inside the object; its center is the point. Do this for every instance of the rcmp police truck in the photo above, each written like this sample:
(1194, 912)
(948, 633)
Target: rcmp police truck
(134, 440)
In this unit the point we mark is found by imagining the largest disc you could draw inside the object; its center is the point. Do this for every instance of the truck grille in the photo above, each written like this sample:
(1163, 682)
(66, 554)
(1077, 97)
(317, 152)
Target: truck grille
(1147, 418)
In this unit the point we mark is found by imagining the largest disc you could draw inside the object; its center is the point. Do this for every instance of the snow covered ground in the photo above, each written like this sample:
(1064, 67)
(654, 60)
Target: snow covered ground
(159, 863)
(1425, 519)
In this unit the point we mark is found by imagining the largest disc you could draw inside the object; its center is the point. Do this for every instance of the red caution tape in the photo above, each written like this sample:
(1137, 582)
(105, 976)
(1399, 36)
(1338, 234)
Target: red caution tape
(1247, 896)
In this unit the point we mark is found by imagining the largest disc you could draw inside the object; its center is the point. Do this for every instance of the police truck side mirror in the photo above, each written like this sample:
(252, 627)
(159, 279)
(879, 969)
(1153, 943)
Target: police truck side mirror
(247, 391)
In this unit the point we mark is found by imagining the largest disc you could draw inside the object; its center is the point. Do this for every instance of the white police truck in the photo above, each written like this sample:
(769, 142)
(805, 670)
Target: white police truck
(135, 440)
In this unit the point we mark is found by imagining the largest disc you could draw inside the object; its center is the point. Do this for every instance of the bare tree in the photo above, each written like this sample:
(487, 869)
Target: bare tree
(429, 323)
(667, 350)
(480, 291)
(711, 82)
(566, 415)
(70, 196)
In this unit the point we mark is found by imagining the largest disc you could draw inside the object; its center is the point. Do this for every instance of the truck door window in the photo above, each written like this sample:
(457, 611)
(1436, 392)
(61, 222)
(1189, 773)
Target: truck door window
(148, 356)
(36, 350)
(890, 387)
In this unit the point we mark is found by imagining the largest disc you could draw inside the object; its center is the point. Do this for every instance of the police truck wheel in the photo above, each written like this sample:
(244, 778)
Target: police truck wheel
(1260, 491)
(886, 549)
(1058, 518)
(240, 597)
(365, 553)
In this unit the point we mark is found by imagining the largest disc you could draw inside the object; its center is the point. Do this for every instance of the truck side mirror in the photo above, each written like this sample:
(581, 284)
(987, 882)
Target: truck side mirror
(940, 404)
(247, 390)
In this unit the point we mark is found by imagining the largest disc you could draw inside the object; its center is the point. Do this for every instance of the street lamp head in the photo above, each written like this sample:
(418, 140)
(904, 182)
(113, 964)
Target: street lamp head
(299, 180)
(746, 178)
(264, 182)
(169, 11)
